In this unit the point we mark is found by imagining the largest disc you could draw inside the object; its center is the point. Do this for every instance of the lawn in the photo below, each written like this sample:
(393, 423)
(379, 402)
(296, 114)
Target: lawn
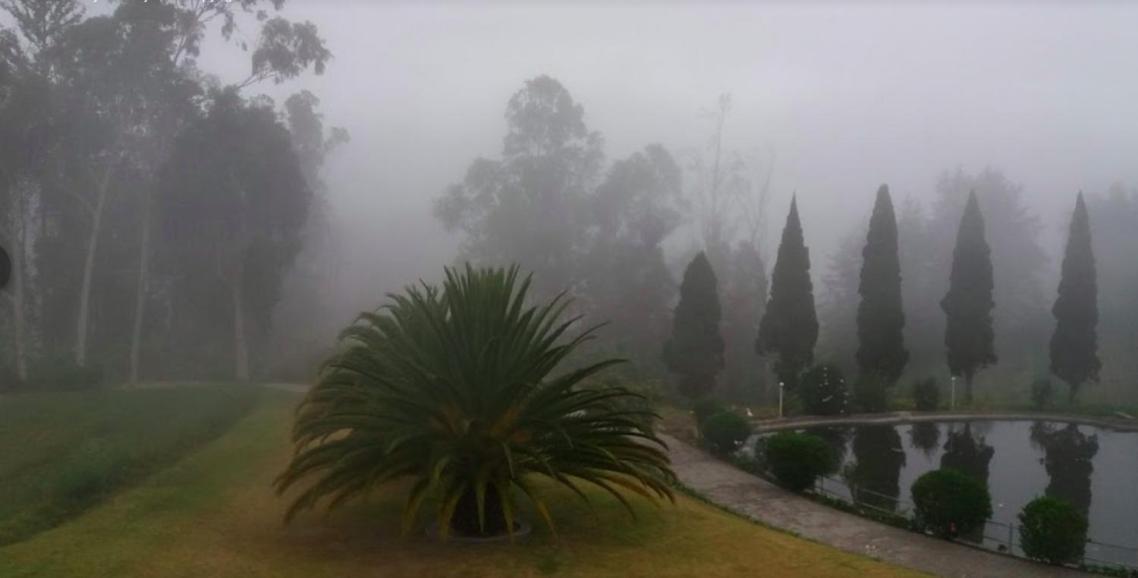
(61, 453)
(214, 514)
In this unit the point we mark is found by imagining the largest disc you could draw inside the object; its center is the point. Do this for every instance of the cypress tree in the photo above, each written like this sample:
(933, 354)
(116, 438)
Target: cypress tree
(880, 320)
(695, 349)
(968, 305)
(1074, 345)
(789, 327)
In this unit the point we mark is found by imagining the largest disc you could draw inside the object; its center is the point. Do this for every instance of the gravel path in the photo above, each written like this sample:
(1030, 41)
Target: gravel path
(760, 500)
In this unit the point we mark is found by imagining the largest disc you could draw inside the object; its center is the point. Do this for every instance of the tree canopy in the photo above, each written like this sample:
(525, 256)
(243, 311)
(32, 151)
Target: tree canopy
(695, 349)
(880, 317)
(968, 304)
(789, 328)
(1074, 344)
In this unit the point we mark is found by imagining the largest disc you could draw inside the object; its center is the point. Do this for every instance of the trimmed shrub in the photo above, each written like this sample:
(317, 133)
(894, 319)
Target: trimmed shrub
(797, 459)
(870, 394)
(950, 503)
(926, 394)
(823, 390)
(706, 407)
(1052, 530)
(725, 431)
(1042, 393)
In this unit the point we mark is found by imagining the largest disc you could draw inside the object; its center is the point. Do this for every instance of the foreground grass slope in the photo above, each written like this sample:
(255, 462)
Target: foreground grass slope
(214, 514)
(61, 453)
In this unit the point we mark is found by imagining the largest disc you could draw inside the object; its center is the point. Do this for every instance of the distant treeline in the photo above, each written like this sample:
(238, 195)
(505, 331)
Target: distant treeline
(550, 202)
(151, 212)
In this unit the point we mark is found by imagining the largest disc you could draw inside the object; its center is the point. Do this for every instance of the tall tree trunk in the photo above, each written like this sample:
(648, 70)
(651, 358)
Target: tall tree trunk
(19, 308)
(82, 323)
(968, 388)
(240, 342)
(140, 294)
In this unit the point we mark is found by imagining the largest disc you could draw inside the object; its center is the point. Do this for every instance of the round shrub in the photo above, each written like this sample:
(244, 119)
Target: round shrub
(926, 394)
(797, 459)
(725, 431)
(1053, 531)
(949, 503)
(823, 390)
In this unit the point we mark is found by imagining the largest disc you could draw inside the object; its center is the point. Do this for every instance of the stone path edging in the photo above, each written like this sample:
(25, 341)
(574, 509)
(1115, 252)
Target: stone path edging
(766, 425)
(755, 498)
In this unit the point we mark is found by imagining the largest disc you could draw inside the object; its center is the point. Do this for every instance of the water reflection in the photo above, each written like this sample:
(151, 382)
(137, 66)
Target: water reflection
(1067, 455)
(878, 458)
(968, 453)
(925, 436)
(1020, 460)
(838, 438)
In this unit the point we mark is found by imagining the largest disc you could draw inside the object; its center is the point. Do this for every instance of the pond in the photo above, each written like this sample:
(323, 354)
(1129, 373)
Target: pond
(1094, 468)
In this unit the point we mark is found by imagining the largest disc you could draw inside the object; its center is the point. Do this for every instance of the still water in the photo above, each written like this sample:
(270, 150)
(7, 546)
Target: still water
(1095, 469)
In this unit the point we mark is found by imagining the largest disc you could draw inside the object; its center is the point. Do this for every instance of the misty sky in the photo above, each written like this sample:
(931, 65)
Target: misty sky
(843, 98)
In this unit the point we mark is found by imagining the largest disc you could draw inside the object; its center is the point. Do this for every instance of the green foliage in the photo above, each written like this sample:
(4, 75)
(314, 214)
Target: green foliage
(1042, 393)
(725, 431)
(623, 272)
(949, 503)
(62, 373)
(526, 206)
(1074, 345)
(926, 394)
(695, 349)
(870, 393)
(1053, 531)
(453, 389)
(706, 407)
(968, 304)
(744, 299)
(61, 453)
(797, 459)
(880, 318)
(789, 328)
(823, 390)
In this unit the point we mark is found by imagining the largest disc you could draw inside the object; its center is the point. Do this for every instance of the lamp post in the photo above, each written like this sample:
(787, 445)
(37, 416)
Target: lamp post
(781, 386)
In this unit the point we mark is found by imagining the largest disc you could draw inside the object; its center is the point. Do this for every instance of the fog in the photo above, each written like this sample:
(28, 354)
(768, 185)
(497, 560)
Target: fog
(837, 99)
(826, 102)
(868, 251)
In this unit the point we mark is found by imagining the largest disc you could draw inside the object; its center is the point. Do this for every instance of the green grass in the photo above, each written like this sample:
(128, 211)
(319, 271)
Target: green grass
(61, 453)
(214, 514)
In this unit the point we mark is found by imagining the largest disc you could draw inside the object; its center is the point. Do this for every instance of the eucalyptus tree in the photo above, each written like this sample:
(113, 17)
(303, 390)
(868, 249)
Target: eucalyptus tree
(234, 201)
(25, 137)
(529, 205)
(626, 280)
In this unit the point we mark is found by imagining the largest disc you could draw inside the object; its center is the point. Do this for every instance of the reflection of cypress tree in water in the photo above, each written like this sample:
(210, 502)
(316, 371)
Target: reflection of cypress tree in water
(878, 459)
(1068, 455)
(924, 436)
(837, 438)
(967, 453)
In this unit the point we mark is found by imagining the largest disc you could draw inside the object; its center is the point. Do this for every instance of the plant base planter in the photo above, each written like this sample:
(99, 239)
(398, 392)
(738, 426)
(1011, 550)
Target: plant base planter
(522, 530)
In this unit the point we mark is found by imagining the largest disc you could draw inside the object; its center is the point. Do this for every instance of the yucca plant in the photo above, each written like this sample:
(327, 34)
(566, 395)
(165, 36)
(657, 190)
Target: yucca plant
(454, 389)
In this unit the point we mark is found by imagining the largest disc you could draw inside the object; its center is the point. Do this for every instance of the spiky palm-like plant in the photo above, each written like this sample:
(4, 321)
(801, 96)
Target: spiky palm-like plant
(453, 389)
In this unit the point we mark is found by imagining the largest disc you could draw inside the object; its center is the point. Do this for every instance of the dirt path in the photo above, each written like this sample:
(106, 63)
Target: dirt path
(758, 499)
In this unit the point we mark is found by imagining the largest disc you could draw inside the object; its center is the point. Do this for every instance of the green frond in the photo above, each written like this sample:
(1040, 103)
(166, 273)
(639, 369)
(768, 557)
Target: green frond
(455, 388)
